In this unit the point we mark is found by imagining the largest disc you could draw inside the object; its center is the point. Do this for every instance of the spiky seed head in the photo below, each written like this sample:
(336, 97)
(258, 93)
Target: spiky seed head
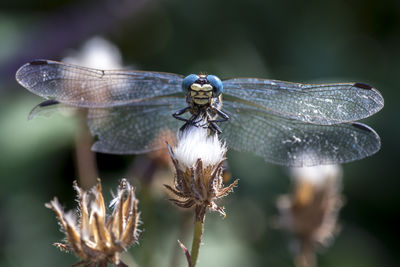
(198, 159)
(92, 235)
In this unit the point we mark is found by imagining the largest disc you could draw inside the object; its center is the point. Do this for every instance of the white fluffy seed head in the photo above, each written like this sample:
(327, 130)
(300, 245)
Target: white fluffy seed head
(194, 143)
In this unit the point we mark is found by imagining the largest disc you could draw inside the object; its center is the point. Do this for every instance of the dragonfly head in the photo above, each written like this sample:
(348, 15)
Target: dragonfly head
(201, 89)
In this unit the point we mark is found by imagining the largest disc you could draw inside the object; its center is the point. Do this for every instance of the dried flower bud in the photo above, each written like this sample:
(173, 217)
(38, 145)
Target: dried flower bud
(310, 212)
(198, 159)
(94, 238)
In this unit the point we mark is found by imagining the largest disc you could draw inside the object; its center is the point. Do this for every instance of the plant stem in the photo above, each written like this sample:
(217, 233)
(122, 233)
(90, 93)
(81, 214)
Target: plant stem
(188, 258)
(186, 223)
(197, 235)
(306, 256)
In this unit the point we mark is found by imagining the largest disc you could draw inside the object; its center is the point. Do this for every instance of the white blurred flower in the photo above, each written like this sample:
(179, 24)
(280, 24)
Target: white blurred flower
(317, 175)
(96, 53)
(310, 211)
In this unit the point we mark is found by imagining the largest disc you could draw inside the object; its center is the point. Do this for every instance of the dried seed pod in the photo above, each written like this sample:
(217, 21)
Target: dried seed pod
(94, 237)
(198, 159)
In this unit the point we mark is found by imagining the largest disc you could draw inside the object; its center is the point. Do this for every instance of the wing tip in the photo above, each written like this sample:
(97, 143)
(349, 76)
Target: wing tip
(363, 86)
(368, 129)
(24, 70)
(38, 62)
(21, 72)
(376, 96)
(362, 126)
(49, 102)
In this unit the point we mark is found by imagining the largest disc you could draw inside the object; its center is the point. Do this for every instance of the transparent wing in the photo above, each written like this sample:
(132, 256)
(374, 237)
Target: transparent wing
(85, 87)
(134, 129)
(295, 143)
(48, 108)
(314, 103)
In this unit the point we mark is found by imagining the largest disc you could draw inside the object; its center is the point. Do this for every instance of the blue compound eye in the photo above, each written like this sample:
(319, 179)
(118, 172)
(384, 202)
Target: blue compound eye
(188, 81)
(216, 84)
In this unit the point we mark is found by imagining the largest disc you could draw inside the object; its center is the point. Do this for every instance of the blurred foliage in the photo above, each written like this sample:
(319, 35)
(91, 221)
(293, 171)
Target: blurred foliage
(305, 41)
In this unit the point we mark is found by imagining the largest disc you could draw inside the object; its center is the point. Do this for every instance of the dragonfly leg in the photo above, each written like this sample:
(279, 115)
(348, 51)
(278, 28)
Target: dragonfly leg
(177, 115)
(223, 115)
(189, 122)
(214, 127)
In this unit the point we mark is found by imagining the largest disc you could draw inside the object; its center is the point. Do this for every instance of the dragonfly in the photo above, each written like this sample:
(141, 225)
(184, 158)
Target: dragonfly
(290, 124)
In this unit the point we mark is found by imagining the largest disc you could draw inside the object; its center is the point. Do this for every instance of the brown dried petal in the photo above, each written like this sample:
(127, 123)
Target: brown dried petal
(129, 236)
(176, 192)
(99, 242)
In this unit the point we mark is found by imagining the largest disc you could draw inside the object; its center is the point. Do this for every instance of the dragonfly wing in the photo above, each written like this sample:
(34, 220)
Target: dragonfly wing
(294, 143)
(313, 103)
(134, 129)
(86, 87)
(49, 107)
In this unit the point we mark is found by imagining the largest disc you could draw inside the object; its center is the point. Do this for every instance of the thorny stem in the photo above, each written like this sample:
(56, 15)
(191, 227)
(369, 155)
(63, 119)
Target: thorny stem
(197, 235)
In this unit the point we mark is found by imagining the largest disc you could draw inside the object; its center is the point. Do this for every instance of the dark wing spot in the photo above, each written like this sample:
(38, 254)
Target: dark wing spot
(361, 126)
(363, 86)
(39, 62)
(48, 103)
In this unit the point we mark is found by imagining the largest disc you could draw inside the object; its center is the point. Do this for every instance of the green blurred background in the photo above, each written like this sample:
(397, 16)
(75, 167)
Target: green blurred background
(303, 41)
